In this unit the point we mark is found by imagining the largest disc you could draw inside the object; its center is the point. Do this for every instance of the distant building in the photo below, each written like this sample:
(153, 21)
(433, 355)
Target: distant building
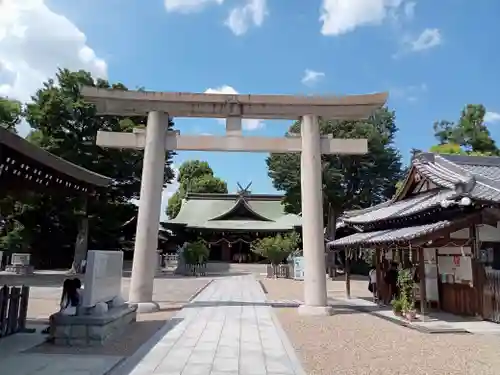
(230, 222)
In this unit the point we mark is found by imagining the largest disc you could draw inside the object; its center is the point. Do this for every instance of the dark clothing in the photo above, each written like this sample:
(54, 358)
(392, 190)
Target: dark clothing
(391, 279)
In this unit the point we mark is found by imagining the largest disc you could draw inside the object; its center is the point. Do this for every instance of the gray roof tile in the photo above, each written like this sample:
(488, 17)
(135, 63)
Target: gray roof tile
(403, 208)
(389, 235)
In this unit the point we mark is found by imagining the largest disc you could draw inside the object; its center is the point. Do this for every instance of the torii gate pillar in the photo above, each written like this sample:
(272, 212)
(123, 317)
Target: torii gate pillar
(155, 140)
(315, 298)
(148, 219)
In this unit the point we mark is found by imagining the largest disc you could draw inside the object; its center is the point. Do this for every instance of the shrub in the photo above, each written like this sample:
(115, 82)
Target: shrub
(276, 248)
(196, 253)
(405, 283)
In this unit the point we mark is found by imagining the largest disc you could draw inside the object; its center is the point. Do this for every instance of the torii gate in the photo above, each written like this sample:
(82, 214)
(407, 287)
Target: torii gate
(155, 139)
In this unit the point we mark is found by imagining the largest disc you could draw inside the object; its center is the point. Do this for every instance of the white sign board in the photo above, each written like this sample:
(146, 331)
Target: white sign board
(298, 268)
(103, 277)
(20, 259)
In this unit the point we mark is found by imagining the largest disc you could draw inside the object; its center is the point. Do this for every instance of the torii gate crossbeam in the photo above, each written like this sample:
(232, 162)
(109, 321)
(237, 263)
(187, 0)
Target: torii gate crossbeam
(155, 140)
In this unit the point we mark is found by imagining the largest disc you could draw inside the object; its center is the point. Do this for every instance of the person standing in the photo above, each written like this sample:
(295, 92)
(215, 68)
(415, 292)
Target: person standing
(372, 286)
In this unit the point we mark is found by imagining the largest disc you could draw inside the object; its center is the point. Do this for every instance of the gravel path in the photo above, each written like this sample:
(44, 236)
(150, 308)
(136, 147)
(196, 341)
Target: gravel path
(353, 343)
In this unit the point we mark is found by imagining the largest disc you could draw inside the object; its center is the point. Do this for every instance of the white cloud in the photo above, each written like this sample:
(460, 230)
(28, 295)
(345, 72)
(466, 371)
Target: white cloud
(248, 124)
(491, 117)
(34, 42)
(312, 77)
(342, 16)
(189, 6)
(241, 18)
(429, 38)
(409, 10)
(410, 93)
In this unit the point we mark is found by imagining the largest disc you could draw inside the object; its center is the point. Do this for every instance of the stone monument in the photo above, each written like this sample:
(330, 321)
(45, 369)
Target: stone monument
(181, 263)
(20, 264)
(103, 312)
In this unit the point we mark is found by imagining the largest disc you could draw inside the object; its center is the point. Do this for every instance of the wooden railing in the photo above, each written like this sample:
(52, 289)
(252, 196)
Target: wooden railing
(13, 309)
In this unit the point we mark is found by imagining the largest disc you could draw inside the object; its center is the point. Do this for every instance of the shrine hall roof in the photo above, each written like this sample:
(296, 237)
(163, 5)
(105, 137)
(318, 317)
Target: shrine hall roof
(252, 212)
(15, 147)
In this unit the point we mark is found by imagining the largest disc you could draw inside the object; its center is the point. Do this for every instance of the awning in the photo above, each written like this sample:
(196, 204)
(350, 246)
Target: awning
(400, 235)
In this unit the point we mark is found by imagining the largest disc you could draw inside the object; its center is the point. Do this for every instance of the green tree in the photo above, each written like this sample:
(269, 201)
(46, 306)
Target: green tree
(276, 248)
(468, 136)
(349, 182)
(10, 114)
(66, 125)
(195, 176)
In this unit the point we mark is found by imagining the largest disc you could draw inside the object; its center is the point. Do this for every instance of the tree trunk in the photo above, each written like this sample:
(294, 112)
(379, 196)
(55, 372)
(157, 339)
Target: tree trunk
(81, 243)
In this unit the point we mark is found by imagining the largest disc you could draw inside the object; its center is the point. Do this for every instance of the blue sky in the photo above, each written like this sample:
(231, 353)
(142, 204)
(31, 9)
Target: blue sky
(432, 56)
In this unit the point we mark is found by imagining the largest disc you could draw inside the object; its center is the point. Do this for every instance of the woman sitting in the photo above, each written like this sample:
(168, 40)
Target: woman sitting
(70, 300)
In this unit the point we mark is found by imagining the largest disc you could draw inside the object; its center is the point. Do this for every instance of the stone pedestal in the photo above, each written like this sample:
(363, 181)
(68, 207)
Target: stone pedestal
(91, 330)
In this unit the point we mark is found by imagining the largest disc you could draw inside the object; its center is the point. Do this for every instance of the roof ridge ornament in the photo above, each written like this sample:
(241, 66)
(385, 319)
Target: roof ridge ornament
(243, 191)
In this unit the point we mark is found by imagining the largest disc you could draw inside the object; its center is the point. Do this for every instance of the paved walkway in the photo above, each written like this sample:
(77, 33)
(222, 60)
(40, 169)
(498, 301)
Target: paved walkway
(228, 329)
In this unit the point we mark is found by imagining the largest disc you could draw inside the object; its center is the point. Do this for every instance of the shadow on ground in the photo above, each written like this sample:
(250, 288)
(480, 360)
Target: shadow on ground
(123, 345)
(126, 366)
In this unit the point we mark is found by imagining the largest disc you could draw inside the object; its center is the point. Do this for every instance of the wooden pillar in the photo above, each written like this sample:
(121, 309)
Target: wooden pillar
(421, 269)
(347, 274)
(81, 242)
(477, 279)
(225, 252)
(378, 271)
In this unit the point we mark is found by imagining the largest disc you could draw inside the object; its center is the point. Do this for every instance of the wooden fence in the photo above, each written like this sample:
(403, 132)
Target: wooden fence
(13, 309)
(491, 296)
(281, 271)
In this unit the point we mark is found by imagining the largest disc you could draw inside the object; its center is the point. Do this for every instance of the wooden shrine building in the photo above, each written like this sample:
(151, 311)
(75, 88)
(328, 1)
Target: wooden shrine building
(230, 222)
(445, 218)
(26, 167)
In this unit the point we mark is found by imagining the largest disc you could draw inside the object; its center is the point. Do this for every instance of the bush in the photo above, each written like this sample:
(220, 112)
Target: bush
(277, 248)
(196, 253)
(397, 305)
(405, 283)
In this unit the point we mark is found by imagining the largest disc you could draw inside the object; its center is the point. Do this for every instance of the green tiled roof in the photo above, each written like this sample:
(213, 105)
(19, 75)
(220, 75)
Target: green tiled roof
(213, 211)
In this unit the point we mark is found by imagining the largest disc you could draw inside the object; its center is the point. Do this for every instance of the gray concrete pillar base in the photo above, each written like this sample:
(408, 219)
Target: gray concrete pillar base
(146, 307)
(306, 310)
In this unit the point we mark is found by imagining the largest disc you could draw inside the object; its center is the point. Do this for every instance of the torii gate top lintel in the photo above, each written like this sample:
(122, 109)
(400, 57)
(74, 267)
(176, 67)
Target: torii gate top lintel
(180, 104)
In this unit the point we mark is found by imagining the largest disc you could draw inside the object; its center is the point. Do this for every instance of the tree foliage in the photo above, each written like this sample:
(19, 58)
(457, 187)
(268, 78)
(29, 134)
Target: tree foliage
(468, 136)
(195, 176)
(66, 125)
(10, 113)
(276, 248)
(349, 182)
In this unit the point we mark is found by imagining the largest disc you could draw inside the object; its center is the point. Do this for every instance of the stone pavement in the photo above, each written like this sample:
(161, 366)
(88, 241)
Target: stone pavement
(227, 329)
